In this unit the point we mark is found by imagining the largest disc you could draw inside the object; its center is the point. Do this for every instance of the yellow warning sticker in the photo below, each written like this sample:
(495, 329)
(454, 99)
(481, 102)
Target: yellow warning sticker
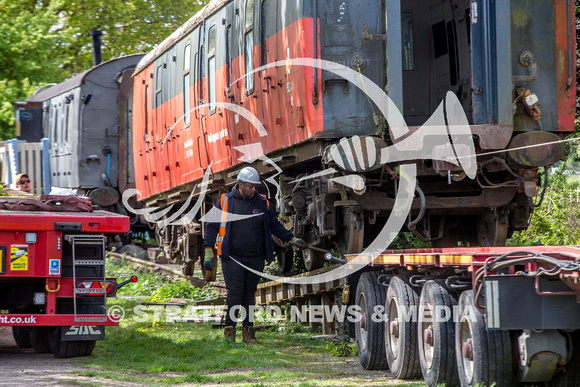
(18, 257)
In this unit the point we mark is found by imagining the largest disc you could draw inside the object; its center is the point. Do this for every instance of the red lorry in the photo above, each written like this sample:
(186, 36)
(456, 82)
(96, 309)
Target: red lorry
(53, 286)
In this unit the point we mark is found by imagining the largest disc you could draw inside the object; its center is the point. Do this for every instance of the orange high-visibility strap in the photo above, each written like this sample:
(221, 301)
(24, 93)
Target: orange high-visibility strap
(222, 230)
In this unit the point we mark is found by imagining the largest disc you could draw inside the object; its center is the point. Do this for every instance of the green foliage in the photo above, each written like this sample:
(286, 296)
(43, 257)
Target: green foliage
(128, 26)
(406, 240)
(183, 290)
(342, 347)
(154, 287)
(557, 220)
(47, 41)
(26, 61)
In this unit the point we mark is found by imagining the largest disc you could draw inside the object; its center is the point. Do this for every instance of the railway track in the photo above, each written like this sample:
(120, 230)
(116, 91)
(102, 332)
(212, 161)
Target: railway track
(169, 270)
(271, 293)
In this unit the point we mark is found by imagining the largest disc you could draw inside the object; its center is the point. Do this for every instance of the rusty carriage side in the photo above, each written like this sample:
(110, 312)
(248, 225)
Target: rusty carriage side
(290, 88)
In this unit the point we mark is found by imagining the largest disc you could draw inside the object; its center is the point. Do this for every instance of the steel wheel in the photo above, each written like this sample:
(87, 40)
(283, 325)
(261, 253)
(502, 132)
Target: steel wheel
(351, 232)
(491, 231)
(312, 259)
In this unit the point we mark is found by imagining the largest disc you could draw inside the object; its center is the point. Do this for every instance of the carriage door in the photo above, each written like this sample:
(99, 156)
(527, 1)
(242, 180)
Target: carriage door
(490, 40)
(68, 157)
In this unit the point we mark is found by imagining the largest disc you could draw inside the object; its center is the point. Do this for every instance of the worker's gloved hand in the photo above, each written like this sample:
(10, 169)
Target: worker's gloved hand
(299, 243)
(208, 259)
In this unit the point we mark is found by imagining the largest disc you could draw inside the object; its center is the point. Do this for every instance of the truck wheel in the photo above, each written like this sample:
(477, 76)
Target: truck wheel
(21, 336)
(401, 329)
(39, 339)
(436, 333)
(570, 375)
(483, 356)
(369, 330)
(352, 282)
(64, 349)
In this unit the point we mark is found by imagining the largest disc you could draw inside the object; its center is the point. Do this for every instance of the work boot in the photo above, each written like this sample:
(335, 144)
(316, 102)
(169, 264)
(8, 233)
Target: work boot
(230, 333)
(248, 335)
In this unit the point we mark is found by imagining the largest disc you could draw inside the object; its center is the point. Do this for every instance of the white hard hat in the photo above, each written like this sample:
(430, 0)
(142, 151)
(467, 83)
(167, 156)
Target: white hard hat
(249, 175)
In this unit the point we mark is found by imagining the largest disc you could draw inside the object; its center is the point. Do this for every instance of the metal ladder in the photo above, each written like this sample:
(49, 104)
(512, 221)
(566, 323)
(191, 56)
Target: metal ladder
(80, 240)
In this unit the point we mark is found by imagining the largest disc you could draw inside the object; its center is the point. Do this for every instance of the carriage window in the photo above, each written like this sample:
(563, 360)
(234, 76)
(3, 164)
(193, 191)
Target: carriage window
(54, 126)
(66, 123)
(146, 112)
(201, 73)
(229, 56)
(158, 86)
(263, 35)
(407, 40)
(186, 75)
(211, 68)
(249, 44)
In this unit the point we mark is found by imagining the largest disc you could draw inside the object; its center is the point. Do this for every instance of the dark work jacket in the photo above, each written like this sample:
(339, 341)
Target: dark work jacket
(270, 225)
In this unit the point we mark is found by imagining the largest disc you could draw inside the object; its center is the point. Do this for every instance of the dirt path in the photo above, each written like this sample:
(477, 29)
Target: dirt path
(24, 367)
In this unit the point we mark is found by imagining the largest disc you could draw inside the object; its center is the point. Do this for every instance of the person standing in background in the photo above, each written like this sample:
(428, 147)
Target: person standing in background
(23, 183)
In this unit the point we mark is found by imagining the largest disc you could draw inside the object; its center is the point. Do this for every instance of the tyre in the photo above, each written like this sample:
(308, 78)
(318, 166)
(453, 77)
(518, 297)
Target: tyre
(483, 356)
(65, 349)
(436, 334)
(401, 329)
(21, 336)
(368, 329)
(570, 375)
(352, 282)
(39, 339)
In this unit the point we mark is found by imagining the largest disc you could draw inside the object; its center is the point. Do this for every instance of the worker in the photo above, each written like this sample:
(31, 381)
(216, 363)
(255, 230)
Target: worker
(247, 241)
(23, 183)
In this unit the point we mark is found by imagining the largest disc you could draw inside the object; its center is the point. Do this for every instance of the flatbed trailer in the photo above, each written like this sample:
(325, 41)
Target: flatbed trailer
(469, 316)
(53, 285)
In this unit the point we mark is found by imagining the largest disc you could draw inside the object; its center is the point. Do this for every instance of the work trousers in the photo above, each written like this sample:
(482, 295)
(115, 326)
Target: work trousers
(241, 286)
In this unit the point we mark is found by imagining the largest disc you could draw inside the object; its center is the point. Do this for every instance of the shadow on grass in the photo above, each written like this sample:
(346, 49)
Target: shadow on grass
(161, 352)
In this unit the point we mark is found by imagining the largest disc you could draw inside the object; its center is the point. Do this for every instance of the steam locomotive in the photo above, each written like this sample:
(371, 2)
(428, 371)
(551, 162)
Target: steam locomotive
(257, 82)
(291, 88)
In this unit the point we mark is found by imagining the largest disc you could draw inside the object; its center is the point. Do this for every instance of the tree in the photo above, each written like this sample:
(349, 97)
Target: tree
(47, 41)
(26, 44)
(128, 26)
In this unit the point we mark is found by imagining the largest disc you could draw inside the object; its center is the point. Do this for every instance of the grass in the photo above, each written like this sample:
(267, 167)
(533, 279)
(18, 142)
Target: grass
(149, 350)
(153, 352)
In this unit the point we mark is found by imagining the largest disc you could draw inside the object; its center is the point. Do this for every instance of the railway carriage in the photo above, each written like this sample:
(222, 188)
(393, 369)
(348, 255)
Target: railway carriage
(87, 120)
(261, 82)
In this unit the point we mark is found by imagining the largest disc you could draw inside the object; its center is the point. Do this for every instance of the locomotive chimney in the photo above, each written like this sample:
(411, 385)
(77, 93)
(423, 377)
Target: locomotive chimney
(96, 47)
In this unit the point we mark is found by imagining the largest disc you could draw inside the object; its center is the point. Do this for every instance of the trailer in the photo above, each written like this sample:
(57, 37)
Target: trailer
(469, 316)
(53, 285)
